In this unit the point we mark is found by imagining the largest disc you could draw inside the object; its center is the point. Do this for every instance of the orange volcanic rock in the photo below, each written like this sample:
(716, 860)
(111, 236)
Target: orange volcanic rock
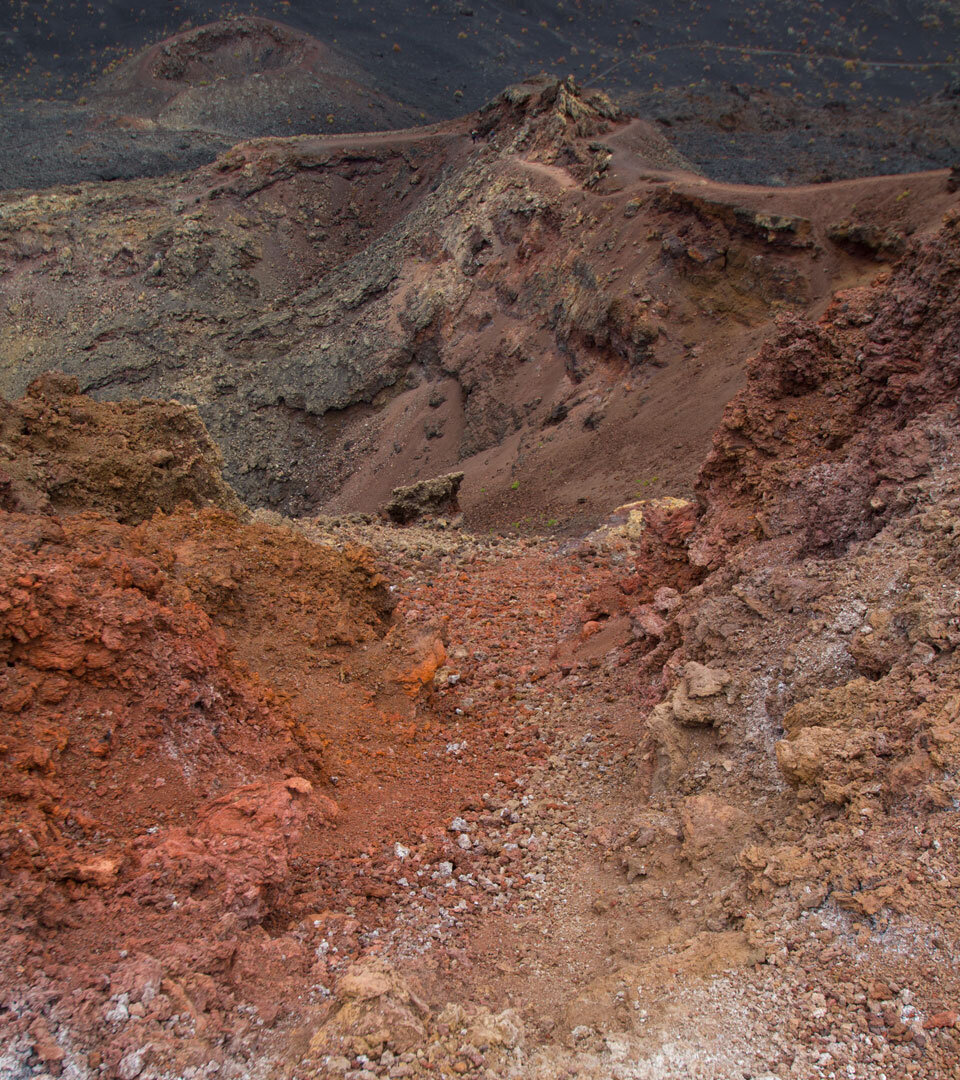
(422, 673)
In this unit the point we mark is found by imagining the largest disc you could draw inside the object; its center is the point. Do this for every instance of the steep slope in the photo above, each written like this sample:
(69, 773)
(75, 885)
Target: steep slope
(805, 745)
(831, 599)
(556, 309)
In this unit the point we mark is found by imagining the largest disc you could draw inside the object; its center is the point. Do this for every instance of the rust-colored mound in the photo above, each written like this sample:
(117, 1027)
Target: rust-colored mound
(238, 47)
(61, 452)
(154, 789)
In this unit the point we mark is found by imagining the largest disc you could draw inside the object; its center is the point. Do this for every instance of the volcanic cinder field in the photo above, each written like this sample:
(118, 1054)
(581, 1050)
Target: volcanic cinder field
(779, 92)
(479, 541)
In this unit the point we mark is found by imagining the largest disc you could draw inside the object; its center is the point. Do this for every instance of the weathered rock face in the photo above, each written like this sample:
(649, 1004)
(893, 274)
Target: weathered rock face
(816, 664)
(427, 497)
(854, 410)
(871, 238)
(377, 1010)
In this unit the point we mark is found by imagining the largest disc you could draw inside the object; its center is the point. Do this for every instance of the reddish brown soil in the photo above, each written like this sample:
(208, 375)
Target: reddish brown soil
(62, 452)
(573, 424)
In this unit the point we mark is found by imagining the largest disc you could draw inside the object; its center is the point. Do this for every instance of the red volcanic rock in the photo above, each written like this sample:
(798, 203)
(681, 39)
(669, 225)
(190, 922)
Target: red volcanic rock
(671, 521)
(837, 417)
(154, 791)
(240, 846)
(947, 1018)
(173, 697)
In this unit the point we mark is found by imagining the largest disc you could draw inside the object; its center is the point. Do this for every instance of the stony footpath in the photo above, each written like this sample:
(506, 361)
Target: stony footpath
(577, 900)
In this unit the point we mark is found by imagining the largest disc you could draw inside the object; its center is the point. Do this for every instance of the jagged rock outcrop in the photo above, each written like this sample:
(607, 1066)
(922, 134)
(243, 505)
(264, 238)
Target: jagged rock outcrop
(820, 649)
(884, 243)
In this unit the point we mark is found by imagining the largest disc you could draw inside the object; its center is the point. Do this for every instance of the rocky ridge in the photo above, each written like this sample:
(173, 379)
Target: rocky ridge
(353, 313)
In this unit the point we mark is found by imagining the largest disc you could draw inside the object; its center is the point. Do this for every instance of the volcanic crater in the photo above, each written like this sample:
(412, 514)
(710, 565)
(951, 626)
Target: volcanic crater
(480, 598)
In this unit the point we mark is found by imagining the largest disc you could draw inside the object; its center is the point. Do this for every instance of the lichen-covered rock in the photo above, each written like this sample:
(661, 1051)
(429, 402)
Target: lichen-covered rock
(425, 498)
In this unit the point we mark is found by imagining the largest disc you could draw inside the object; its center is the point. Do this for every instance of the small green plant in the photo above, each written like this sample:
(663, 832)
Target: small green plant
(552, 523)
(515, 485)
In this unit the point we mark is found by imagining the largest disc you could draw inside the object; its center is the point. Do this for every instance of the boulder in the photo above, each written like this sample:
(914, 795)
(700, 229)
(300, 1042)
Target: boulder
(425, 498)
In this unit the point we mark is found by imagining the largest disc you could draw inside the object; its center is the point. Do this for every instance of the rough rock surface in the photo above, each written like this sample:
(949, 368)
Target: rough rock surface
(158, 790)
(62, 452)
